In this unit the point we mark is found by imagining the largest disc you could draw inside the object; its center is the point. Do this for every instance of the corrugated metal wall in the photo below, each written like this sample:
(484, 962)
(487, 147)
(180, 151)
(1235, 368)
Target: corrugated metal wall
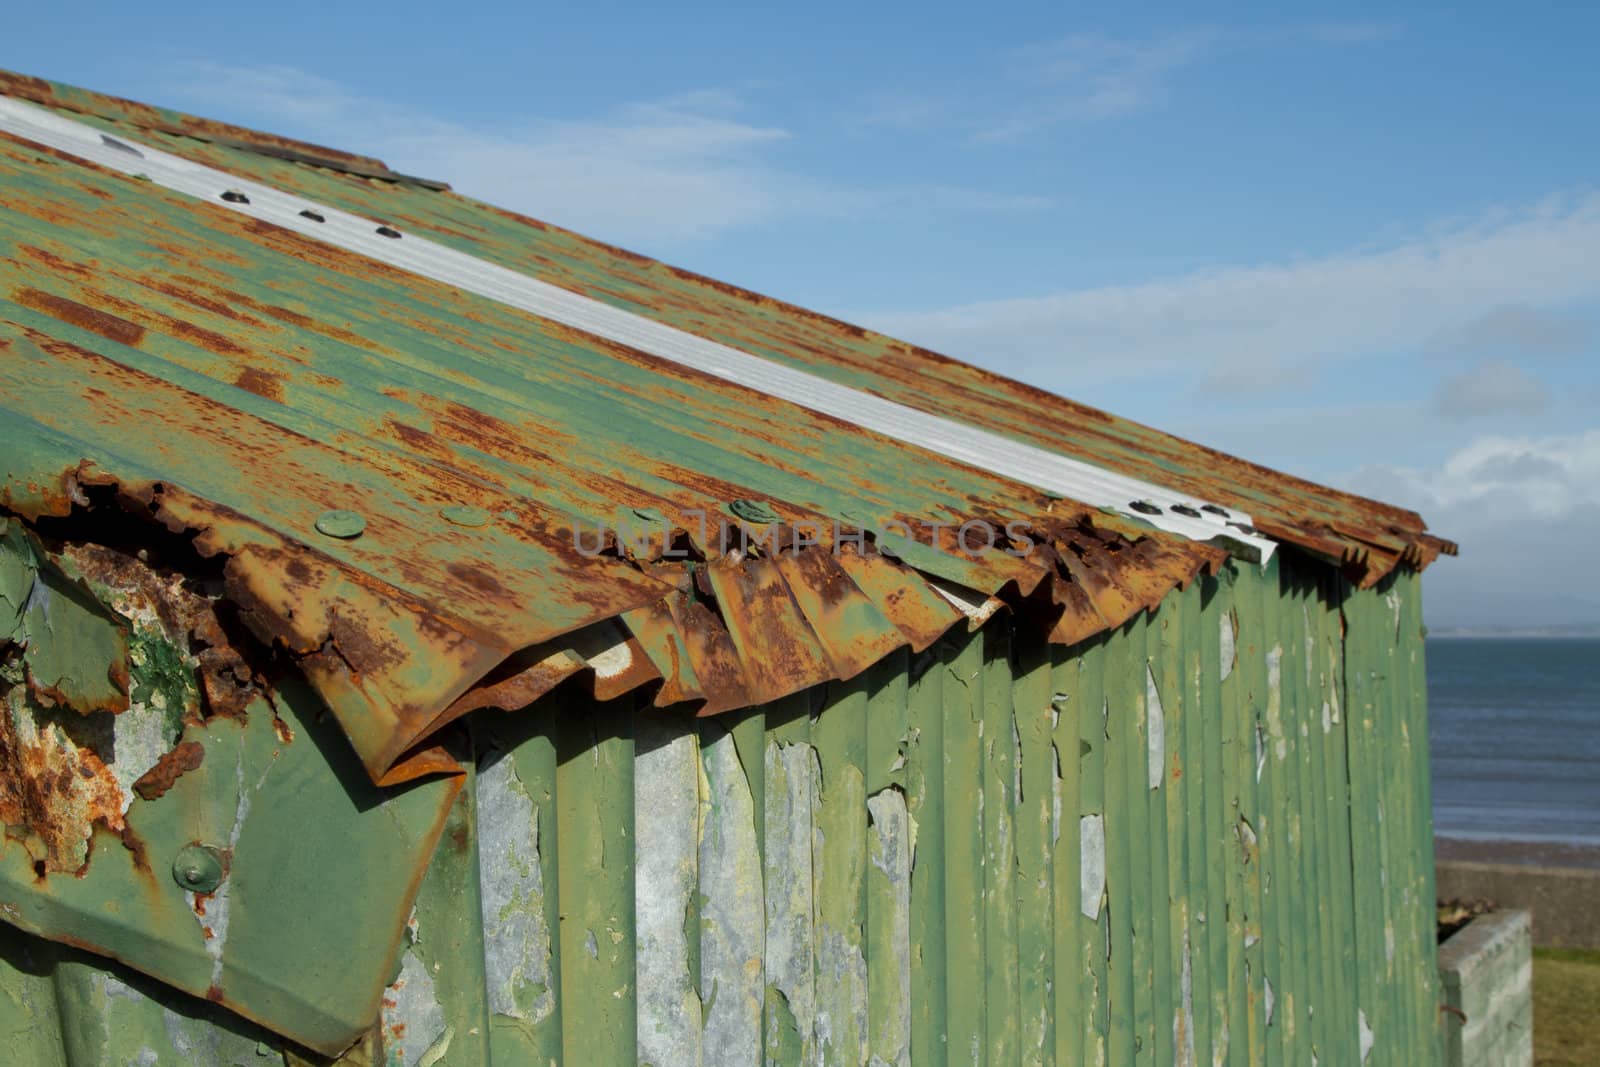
(1203, 838)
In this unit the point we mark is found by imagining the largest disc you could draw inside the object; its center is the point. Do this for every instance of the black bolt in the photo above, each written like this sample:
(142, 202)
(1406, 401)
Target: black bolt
(312, 215)
(388, 231)
(233, 196)
(1185, 509)
(1144, 507)
(1213, 509)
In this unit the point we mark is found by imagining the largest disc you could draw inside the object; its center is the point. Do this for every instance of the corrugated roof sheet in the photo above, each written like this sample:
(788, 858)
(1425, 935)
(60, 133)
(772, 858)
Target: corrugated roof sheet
(235, 380)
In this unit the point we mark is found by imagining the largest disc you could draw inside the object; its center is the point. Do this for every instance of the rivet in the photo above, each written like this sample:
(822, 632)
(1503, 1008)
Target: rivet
(314, 216)
(234, 196)
(754, 511)
(197, 868)
(1185, 509)
(1144, 507)
(651, 515)
(341, 523)
(465, 515)
(388, 231)
(1213, 509)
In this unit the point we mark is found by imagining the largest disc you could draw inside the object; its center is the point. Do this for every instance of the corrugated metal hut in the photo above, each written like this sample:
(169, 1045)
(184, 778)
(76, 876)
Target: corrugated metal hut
(432, 637)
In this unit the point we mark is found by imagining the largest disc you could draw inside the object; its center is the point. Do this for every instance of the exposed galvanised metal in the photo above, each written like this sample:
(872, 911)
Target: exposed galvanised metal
(959, 854)
(156, 782)
(419, 458)
(1367, 537)
(1053, 472)
(413, 545)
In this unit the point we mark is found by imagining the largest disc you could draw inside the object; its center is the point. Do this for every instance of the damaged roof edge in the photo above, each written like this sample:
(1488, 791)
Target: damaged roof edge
(394, 673)
(419, 622)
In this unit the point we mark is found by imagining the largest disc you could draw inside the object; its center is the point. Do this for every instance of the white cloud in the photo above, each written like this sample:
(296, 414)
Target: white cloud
(1526, 512)
(656, 172)
(1245, 319)
(1493, 387)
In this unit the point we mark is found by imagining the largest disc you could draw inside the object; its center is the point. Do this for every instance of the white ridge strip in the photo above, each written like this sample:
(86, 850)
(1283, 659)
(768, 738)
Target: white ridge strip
(1049, 471)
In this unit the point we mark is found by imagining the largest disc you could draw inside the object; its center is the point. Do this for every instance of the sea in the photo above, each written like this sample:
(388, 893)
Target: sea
(1514, 727)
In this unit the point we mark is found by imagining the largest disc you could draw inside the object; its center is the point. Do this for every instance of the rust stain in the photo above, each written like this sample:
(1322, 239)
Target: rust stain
(73, 313)
(448, 399)
(186, 756)
(53, 791)
(263, 384)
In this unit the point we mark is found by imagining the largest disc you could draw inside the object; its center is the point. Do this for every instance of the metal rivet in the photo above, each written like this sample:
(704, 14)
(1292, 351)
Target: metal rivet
(754, 511)
(388, 231)
(1144, 507)
(341, 523)
(314, 216)
(1185, 509)
(197, 868)
(234, 196)
(650, 515)
(1213, 509)
(465, 515)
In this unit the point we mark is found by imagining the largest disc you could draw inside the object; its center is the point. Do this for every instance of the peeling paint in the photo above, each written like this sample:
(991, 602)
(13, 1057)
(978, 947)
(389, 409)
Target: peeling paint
(1183, 1021)
(732, 917)
(1092, 864)
(213, 911)
(516, 938)
(1055, 793)
(889, 909)
(1228, 628)
(413, 1019)
(666, 813)
(1366, 1035)
(794, 781)
(1280, 744)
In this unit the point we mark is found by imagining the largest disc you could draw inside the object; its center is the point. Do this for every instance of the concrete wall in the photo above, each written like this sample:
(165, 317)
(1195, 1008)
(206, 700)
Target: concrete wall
(1486, 970)
(1564, 901)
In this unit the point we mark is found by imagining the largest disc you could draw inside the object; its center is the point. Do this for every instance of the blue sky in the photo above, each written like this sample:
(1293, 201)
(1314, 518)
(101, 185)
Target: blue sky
(1360, 244)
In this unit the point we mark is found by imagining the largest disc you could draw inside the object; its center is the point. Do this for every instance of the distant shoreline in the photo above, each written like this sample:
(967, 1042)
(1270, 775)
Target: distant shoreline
(1520, 853)
(1514, 635)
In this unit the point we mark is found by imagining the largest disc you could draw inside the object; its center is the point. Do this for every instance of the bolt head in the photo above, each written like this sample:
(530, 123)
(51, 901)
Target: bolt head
(341, 523)
(197, 868)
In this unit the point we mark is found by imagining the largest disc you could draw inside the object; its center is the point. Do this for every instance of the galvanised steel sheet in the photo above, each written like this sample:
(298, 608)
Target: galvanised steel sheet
(341, 384)
(249, 475)
(1202, 837)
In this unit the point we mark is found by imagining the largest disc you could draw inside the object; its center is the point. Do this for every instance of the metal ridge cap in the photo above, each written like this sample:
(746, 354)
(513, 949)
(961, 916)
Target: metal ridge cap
(1187, 517)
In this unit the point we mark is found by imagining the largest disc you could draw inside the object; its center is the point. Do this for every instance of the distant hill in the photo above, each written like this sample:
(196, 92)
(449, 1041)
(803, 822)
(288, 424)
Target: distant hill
(1568, 630)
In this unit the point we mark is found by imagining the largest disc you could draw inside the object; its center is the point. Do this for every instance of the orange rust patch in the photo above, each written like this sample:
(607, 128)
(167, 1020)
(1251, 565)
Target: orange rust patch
(75, 314)
(158, 779)
(262, 383)
(55, 790)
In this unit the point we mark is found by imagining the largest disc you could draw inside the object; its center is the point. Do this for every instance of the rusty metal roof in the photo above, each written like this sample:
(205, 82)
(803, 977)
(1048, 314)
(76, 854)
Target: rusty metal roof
(246, 385)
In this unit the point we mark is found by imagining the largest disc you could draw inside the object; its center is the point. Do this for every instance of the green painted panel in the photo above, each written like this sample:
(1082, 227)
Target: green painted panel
(1198, 838)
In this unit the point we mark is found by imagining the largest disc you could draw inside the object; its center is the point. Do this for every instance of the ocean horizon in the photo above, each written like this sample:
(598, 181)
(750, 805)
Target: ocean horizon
(1514, 731)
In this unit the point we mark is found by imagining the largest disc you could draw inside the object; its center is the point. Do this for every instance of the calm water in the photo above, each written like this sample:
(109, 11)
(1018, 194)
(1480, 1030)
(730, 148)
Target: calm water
(1515, 732)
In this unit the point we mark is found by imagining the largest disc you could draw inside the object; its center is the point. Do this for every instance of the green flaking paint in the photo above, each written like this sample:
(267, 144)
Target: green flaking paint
(911, 857)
